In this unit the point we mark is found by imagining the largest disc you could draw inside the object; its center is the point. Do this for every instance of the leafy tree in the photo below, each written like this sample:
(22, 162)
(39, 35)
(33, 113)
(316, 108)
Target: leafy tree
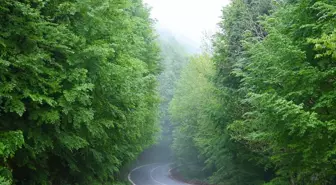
(78, 89)
(270, 116)
(289, 88)
(192, 97)
(173, 59)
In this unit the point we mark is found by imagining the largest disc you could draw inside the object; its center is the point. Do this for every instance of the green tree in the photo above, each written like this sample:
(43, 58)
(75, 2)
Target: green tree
(291, 93)
(78, 93)
(192, 98)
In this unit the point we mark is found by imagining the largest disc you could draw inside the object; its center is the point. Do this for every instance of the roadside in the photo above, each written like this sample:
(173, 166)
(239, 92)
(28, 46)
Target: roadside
(175, 173)
(153, 174)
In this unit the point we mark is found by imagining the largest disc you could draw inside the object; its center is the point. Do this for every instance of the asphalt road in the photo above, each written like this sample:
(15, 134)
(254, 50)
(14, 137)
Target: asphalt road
(152, 174)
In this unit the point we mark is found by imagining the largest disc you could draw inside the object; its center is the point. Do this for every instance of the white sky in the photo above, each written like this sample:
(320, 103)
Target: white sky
(189, 18)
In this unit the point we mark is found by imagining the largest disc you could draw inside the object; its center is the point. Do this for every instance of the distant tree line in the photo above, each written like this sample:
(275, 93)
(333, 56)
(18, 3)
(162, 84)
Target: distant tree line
(173, 57)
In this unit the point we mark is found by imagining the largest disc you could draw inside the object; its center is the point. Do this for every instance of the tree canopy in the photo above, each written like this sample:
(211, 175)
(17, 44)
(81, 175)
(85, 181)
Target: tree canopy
(268, 115)
(78, 93)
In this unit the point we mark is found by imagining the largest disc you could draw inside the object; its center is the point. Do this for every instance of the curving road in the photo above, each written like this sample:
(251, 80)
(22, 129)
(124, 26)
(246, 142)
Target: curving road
(152, 174)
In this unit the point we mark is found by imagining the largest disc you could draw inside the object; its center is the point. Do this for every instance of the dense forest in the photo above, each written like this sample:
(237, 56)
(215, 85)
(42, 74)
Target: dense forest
(87, 85)
(78, 89)
(173, 58)
(174, 55)
(261, 108)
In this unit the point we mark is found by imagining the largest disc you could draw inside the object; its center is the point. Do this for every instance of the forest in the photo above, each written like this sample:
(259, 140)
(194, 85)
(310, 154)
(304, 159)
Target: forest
(260, 108)
(87, 85)
(78, 97)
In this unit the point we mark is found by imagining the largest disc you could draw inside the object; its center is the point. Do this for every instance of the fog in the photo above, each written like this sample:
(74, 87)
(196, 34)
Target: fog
(181, 25)
(187, 19)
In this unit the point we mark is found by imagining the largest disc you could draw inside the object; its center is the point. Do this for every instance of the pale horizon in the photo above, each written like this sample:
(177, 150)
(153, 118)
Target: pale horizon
(188, 18)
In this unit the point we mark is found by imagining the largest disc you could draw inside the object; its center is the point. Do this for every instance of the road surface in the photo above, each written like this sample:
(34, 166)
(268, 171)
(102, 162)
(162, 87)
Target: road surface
(152, 174)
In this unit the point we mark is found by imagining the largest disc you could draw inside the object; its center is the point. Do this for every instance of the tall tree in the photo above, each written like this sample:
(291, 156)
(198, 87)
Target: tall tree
(193, 97)
(291, 93)
(78, 89)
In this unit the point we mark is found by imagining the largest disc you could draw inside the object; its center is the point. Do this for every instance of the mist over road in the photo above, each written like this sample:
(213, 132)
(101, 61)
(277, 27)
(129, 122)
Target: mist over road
(152, 174)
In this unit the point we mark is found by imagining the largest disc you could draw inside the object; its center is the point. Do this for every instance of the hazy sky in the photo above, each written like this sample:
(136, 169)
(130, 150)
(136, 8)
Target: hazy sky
(188, 17)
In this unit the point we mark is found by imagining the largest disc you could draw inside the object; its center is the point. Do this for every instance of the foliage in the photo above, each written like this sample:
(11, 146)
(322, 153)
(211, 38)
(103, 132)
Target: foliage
(78, 89)
(289, 87)
(173, 59)
(192, 96)
(269, 111)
